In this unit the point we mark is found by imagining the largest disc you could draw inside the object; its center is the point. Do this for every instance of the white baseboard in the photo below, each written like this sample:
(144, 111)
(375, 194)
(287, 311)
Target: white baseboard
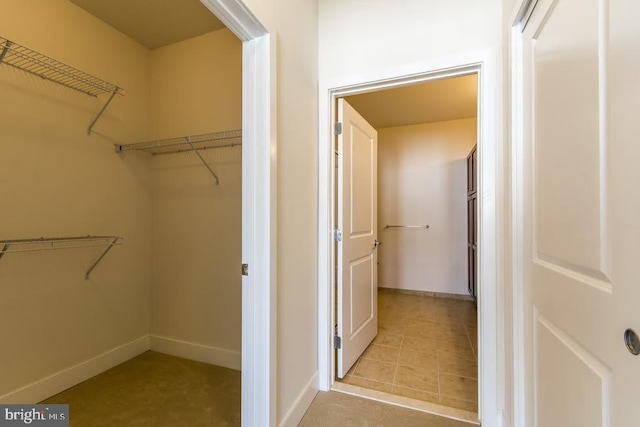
(55, 383)
(437, 294)
(199, 352)
(294, 415)
(73, 375)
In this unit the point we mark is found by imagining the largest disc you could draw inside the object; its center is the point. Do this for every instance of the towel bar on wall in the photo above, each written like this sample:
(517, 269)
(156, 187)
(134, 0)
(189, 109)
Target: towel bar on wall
(405, 226)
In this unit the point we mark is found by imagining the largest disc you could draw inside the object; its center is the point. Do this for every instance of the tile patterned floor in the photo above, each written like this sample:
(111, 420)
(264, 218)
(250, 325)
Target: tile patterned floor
(332, 409)
(426, 349)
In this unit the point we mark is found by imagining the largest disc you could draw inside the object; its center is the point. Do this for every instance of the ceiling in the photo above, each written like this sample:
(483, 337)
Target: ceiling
(154, 23)
(157, 23)
(433, 101)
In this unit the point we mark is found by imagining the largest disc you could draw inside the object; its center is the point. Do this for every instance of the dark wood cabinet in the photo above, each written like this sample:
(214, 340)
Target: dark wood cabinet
(472, 220)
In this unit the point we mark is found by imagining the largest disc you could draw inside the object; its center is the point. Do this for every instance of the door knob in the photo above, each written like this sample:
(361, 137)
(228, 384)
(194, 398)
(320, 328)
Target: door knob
(376, 243)
(632, 341)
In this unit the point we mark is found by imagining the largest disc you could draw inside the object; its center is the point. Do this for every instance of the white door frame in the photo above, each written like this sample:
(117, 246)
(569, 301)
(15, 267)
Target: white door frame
(491, 255)
(521, 396)
(258, 211)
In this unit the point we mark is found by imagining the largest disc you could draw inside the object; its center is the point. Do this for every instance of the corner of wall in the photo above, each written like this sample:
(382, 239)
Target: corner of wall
(53, 384)
(293, 417)
(194, 351)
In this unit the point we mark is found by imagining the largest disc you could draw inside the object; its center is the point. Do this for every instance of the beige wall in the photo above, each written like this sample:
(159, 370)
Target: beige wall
(422, 179)
(295, 26)
(196, 87)
(359, 37)
(57, 181)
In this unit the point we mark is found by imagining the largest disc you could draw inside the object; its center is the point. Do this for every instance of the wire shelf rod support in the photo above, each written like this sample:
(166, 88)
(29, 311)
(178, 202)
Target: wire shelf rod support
(204, 162)
(95, 264)
(104, 107)
(5, 49)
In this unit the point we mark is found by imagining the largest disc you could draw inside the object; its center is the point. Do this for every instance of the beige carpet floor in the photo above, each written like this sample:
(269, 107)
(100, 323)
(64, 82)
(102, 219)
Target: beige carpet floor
(156, 390)
(335, 409)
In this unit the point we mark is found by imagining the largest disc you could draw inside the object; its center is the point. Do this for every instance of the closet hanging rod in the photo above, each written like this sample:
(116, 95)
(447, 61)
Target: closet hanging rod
(51, 243)
(405, 226)
(47, 68)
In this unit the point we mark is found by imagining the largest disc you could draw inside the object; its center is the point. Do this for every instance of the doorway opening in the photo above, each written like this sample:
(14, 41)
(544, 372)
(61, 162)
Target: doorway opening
(423, 255)
(486, 320)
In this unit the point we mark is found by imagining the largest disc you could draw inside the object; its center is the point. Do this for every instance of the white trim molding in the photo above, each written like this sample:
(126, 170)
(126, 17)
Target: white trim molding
(258, 238)
(521, 398)
(236, 16)
(194, 351)
(259, 213)
(491, 162)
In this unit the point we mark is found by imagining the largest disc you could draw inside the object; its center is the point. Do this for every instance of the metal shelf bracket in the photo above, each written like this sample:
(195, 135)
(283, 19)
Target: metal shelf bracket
(102, 110)
(204, 162)
(95, 264)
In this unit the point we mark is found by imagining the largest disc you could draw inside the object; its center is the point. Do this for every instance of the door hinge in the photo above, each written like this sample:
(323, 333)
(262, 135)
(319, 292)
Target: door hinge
(245, 269)
(337, 342)
(338, 128)
(337, 235)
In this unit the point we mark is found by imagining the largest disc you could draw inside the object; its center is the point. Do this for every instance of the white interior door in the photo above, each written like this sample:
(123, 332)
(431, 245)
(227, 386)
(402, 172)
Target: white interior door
(581, 105)
(356, 251)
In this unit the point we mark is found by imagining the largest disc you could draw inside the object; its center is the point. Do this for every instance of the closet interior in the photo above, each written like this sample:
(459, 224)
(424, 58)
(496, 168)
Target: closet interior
(137, 177)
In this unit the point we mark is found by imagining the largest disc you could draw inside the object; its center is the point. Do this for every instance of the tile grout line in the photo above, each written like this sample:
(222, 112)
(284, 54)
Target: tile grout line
(438, 371)
(352, 370)
(466, 330)
(395, 373)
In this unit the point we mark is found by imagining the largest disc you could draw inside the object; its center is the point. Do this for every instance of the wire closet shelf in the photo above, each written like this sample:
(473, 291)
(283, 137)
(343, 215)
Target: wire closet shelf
(47, 68)
(53, 243)
(195, 143)
(206, 141)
